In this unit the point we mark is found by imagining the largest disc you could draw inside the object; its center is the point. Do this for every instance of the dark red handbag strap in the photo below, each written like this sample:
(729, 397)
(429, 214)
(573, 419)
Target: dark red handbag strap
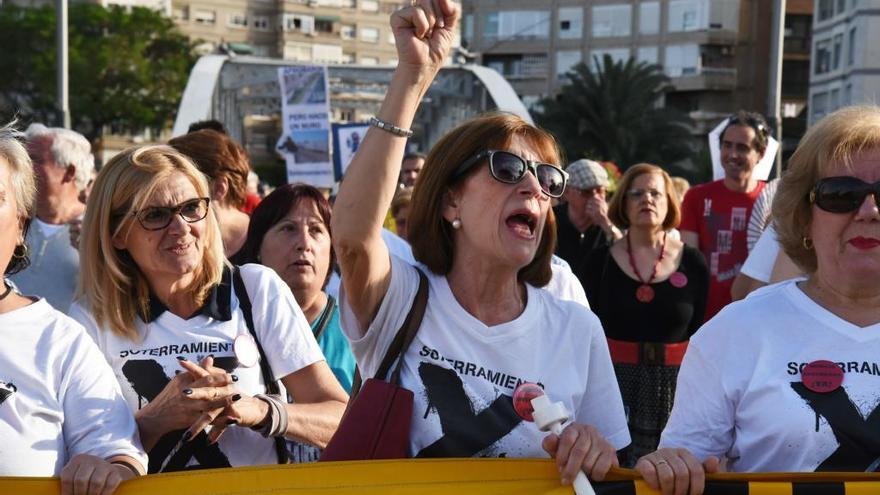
(402, 339)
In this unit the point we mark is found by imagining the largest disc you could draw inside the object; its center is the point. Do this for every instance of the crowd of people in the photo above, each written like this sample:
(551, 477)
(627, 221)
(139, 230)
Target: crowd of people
(165, 320)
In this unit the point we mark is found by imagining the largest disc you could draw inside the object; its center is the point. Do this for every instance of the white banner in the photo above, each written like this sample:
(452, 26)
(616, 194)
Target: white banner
(305, 140)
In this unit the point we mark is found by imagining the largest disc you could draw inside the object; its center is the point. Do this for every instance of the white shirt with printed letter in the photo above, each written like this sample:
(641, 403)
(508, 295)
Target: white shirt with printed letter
(58, 398)
(144, 368)
(463, 373)
(740, 392)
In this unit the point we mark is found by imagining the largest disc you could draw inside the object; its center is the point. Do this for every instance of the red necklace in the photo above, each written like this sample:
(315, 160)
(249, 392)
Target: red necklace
(645, 293)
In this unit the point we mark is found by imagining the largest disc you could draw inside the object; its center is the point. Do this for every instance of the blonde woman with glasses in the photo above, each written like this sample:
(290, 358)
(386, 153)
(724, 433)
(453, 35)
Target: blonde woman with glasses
(197, 345)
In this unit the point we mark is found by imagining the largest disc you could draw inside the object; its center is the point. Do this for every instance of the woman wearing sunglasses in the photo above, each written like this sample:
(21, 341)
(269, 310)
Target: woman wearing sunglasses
(175, 321)
(788, 379)
(649, 290)
(481, 228)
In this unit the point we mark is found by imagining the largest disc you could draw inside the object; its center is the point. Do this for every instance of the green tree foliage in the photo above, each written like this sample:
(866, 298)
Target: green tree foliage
(612, 114)
(127, 67)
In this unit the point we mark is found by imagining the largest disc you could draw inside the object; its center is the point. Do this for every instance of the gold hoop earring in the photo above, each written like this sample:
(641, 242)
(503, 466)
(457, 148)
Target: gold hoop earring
(24, 252)
(807, 243)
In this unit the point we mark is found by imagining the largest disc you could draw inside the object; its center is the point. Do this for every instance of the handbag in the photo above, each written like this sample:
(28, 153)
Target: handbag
(244, 302)
(377, 422)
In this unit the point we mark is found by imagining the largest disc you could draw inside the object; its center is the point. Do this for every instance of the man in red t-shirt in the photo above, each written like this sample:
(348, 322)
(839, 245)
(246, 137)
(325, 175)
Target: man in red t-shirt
(715, 215)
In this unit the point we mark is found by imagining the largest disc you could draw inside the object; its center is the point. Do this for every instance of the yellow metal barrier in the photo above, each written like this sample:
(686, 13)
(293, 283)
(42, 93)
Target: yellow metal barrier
(446, 477)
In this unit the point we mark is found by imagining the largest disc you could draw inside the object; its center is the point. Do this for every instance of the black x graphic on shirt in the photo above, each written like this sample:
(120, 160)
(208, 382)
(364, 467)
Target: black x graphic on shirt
(858, 439)
(465, 432)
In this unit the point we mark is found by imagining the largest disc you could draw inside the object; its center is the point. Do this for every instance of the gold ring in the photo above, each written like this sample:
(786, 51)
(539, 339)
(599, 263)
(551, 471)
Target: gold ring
(660, 463)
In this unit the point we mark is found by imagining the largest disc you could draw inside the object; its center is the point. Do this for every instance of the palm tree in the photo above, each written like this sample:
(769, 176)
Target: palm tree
(614, 114)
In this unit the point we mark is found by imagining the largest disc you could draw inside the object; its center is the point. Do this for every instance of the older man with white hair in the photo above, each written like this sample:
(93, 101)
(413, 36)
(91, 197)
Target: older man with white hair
(63, 165)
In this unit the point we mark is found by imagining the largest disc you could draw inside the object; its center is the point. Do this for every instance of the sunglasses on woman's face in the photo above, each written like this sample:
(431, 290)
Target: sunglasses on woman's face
(511, 168)
(843, 194)
(159, 217)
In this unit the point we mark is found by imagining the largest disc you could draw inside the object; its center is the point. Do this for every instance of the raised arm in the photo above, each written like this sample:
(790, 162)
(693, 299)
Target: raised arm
(423, 34)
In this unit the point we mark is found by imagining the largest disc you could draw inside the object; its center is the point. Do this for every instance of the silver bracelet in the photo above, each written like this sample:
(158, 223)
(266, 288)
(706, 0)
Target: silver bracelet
(388, 127)
(275, 423)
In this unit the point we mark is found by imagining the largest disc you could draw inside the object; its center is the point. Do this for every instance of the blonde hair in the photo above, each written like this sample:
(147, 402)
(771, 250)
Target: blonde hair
(21, 178)
(115, 289)
(828, 146)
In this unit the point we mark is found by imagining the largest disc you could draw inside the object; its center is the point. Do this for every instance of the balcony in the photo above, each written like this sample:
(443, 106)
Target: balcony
(705, 78)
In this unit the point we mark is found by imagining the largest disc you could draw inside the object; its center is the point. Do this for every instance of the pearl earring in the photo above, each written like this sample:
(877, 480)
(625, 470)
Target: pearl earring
(456, 224)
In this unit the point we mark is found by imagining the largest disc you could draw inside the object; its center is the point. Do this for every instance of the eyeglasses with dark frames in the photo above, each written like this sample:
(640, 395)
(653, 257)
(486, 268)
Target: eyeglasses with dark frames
(159, 217)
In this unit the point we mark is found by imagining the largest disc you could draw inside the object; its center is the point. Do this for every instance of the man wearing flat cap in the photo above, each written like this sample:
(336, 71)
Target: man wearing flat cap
(582, 222)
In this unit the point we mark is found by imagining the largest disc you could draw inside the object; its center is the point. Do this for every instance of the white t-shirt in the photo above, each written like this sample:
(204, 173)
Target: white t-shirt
(144, 368)
(564, 284)
(463, 373)
(762, 257)
(740, 393)
(58, 398)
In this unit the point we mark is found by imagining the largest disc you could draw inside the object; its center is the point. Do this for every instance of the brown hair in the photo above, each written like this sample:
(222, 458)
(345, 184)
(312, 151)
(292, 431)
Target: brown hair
(431, 235)
(828, 146)
(217, 155)
(617, 208)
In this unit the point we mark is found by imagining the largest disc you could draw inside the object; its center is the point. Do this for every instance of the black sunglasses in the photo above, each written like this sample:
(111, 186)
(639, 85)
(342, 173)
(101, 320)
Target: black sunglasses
(843, 194)
(754, 122)
(159, 217)
(510, 168)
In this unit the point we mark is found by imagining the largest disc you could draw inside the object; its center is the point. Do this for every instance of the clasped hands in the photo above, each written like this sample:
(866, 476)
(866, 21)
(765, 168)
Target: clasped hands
(199, 396)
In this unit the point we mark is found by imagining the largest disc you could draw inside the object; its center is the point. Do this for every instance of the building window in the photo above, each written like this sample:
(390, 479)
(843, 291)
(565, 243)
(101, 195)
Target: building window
(370, 6)
(823, 57)
(369, 34)
(838, 51)
(820, 105)
(260, 22)
(597, 56)
(323, 25)
(648, 54)
(518, 66)
(851, 49)
(369, 61)
(237, 20)
(207, 17)
(571, 22)
(517, 24)
(181, 14)
(565, 60)
(682, 60)
(847, 95)
(688, 15)
(347, 32)
(826, 9)
(611, 20)
(834, 100)
(349, 4)
(841, 6)
(468, 27)
(296, 22)
(649, 17)
(348, 58)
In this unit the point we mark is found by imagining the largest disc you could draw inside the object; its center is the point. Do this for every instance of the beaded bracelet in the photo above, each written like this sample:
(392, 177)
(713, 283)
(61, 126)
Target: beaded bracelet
(388, 127)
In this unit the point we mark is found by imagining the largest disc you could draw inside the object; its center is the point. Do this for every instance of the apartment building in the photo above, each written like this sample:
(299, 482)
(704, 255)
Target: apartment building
(318, 31)
(715, 51)
(845, 67)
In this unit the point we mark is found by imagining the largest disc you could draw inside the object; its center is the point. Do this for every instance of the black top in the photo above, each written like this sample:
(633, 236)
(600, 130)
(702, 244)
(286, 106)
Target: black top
(572, 245)
(672, 316)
